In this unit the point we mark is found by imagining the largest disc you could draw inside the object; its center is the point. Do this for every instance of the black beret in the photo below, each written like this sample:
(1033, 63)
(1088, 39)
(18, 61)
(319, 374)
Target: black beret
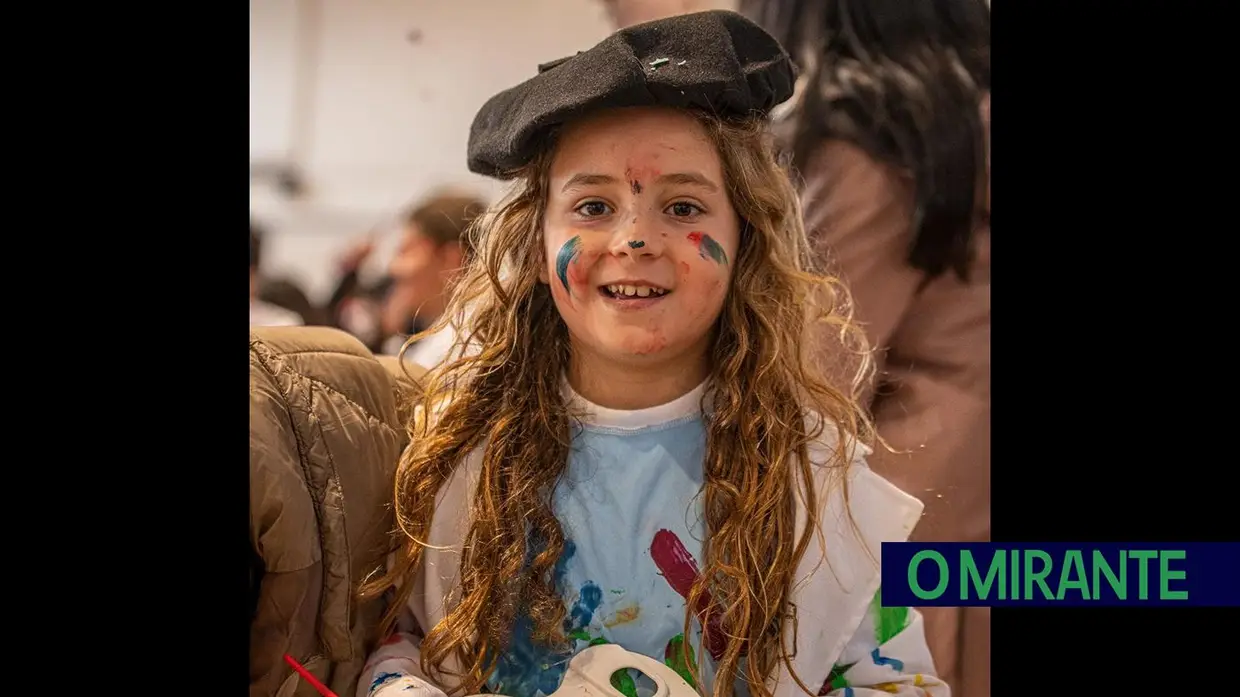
(718, 61)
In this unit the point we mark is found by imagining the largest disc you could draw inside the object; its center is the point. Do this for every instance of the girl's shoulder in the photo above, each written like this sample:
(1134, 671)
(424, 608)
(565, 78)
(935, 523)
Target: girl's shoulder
(847, 487)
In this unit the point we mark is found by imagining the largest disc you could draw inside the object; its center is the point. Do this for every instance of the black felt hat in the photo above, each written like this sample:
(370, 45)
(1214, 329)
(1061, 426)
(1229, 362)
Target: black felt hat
(717, 61)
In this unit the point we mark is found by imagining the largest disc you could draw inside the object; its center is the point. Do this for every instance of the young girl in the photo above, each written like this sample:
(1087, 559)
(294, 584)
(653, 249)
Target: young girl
(637, 450)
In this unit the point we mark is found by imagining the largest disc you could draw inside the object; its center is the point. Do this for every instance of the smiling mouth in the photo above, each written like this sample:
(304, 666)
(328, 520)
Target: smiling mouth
(632, 292)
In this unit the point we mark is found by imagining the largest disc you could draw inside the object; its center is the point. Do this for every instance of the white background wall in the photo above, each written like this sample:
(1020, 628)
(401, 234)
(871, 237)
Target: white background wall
(374, 118)
(372, 100)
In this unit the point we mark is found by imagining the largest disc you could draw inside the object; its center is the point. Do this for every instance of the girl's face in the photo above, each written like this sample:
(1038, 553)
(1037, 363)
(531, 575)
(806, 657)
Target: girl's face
(639, 235)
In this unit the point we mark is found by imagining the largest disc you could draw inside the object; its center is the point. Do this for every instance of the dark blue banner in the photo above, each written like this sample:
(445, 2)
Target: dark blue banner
(1065, 574)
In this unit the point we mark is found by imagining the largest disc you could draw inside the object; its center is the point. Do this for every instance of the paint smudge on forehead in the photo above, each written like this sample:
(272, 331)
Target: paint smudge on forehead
(634, 175)
(566, 256)
(631, 176)
(708, 248)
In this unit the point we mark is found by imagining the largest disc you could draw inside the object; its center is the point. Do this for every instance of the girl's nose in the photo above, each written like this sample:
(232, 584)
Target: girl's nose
(636, 239)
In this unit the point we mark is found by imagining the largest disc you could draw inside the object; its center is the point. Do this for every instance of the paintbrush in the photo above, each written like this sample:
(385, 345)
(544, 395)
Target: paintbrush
(305, 674)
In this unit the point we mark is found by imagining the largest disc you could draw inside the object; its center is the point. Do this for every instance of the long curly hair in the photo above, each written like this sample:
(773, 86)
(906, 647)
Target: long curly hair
(503, 395)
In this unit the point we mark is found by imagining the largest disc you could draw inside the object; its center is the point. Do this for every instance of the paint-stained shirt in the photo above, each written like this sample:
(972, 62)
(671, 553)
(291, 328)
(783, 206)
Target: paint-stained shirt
(631, 510)
(630, 506)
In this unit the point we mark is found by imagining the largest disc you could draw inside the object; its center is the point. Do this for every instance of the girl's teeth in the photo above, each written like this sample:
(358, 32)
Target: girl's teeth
(635, 291)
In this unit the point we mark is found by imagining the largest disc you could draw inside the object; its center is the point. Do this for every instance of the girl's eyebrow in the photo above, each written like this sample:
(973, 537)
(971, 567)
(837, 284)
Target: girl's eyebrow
(586, 179)
(686, 178)
(689, 178)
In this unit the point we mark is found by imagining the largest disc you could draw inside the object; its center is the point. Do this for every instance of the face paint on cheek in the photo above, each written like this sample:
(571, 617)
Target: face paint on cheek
(566, 256)
(577, 273)
(658, 342)
(708, 248)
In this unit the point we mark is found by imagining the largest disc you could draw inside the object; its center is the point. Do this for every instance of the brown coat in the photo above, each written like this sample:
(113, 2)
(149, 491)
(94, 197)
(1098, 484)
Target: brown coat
(933, 342)
(325, 436)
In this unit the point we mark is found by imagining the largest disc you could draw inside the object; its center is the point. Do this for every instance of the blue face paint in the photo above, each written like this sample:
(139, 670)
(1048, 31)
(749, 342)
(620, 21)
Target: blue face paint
(636, 244)
(567, 255)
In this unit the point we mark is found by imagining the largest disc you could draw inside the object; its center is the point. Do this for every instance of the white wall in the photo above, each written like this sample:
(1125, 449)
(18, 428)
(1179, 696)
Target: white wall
(372, 100)
(375, 119)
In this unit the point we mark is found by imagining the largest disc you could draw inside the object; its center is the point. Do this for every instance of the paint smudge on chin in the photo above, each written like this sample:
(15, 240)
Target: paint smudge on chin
(567, 255)
(657, 342)
(708, 248)
(636, 244)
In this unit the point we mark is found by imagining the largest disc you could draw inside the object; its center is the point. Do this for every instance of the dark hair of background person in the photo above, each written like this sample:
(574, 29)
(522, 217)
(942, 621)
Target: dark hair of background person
(903, 80)
(287, 294)
(444, 218)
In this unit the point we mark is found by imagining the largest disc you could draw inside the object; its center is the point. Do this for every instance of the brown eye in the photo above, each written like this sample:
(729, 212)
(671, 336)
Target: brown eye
(682, 209)
(593, 209)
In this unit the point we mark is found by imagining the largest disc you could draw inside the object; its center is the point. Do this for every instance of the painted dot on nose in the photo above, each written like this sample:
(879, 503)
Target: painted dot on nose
(636, 244)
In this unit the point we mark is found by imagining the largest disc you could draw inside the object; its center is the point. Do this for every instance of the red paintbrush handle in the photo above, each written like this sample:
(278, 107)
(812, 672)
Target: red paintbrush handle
(305, 674)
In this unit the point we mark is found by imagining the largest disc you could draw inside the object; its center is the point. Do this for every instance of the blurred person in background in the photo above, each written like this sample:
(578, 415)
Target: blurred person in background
(264, 313)
(431, 255)
(356, 306)
(361, 311)
(890, 130)
(288, 294)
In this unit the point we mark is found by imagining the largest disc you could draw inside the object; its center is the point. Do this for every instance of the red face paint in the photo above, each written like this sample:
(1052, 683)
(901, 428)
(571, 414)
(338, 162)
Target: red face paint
(578, 270)
(707, 247)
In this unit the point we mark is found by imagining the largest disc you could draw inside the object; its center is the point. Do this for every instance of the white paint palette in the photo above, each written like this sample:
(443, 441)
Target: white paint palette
(589, 674)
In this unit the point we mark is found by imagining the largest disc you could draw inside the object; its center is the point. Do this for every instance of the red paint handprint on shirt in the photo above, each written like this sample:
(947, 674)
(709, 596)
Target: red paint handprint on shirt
(680, 570)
